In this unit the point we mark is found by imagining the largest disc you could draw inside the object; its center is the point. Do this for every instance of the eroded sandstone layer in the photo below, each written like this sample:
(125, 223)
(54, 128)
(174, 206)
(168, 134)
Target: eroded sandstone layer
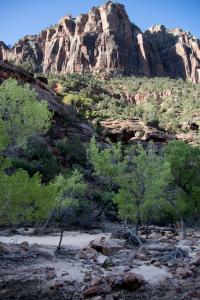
(105, 41)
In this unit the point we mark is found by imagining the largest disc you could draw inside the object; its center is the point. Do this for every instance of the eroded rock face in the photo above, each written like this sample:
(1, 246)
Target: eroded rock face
(179, 52)
(8, 70)
(3, 50)
(133, 130)
(105, 41)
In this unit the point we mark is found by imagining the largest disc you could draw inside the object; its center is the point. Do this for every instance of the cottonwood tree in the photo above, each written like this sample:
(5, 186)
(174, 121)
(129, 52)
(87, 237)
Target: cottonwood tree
(142, 182)
(141, 177)
(184, 162)
(70, 191)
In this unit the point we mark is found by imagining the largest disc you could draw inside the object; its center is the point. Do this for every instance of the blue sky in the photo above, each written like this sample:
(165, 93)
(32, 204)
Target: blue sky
(21, 17)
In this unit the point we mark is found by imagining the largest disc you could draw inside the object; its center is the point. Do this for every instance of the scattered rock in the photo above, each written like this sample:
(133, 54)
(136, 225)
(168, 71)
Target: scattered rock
(143, 250)
(188, 243)
(50, 273)
(156, 264)
(58, 284)
(183, 272)
(3, 248)
(87, 253)
(162, 247)
(132, 281)
(107, 245)
(141, 256)
(24, 246)
(109, 297)
(96, 290)
(95, 281)
(142, 253)
(196, 261)
(155, 235)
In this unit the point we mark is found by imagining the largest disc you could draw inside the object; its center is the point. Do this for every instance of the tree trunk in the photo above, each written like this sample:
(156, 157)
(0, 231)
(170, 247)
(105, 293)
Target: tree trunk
(133, 233)
(61, 237)
(183, 232)
(48, 220)
(147, 227)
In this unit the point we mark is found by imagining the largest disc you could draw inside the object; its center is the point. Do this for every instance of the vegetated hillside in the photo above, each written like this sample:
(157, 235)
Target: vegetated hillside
(133, 110)
(53, 176)
(134, 105)
(105, 41)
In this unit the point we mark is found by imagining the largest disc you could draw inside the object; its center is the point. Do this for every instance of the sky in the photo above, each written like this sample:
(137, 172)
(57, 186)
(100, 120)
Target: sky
(21, 17)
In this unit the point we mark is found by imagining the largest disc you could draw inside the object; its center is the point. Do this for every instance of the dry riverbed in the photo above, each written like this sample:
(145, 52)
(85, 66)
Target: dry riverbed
(98, 265)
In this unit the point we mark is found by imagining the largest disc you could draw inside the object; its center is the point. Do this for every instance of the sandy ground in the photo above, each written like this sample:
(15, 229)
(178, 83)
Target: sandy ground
(70, 239)
(76, 239)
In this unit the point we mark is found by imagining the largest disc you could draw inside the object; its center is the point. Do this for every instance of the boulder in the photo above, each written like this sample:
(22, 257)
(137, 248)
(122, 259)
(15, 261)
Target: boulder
(143, 250)
(155, 235)
(24, 246)
(87, 253)
(187, 243)
(100, 289)
(132, 281)
(183, 272)
(107, 245)
(162, 247)
(196, 261)
(4, 249)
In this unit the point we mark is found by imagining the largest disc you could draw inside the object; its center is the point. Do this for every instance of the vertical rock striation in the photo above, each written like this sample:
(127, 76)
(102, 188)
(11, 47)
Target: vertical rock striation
(105, 41)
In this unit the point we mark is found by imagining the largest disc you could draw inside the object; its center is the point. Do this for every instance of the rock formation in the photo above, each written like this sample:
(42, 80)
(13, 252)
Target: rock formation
(105, 41)
(8, 70)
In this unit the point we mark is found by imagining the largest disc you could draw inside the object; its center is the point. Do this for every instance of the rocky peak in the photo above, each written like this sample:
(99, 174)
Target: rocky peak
(105, 41)
(3, 50)
(157, 28)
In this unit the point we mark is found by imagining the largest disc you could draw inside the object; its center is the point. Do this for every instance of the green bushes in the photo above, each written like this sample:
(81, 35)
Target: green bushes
(81, 102)
(167, 102)
(73, 151)
(37, 156)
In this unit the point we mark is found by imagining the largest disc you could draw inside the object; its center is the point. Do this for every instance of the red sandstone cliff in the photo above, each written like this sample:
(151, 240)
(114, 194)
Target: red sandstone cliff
(104, 40)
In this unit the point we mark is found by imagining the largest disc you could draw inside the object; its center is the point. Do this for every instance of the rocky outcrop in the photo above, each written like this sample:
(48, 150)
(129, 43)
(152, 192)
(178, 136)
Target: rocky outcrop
(3, 50)
(179, 52)
(8, 70)
(105, 41)
(133, 130)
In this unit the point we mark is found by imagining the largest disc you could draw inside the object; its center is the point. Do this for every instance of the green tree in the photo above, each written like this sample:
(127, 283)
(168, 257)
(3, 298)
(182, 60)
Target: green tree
(142, 182)
(24, 199)
(69, 193)
(184, 160)
(3, 136)
(21, 115)
(139, 178)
